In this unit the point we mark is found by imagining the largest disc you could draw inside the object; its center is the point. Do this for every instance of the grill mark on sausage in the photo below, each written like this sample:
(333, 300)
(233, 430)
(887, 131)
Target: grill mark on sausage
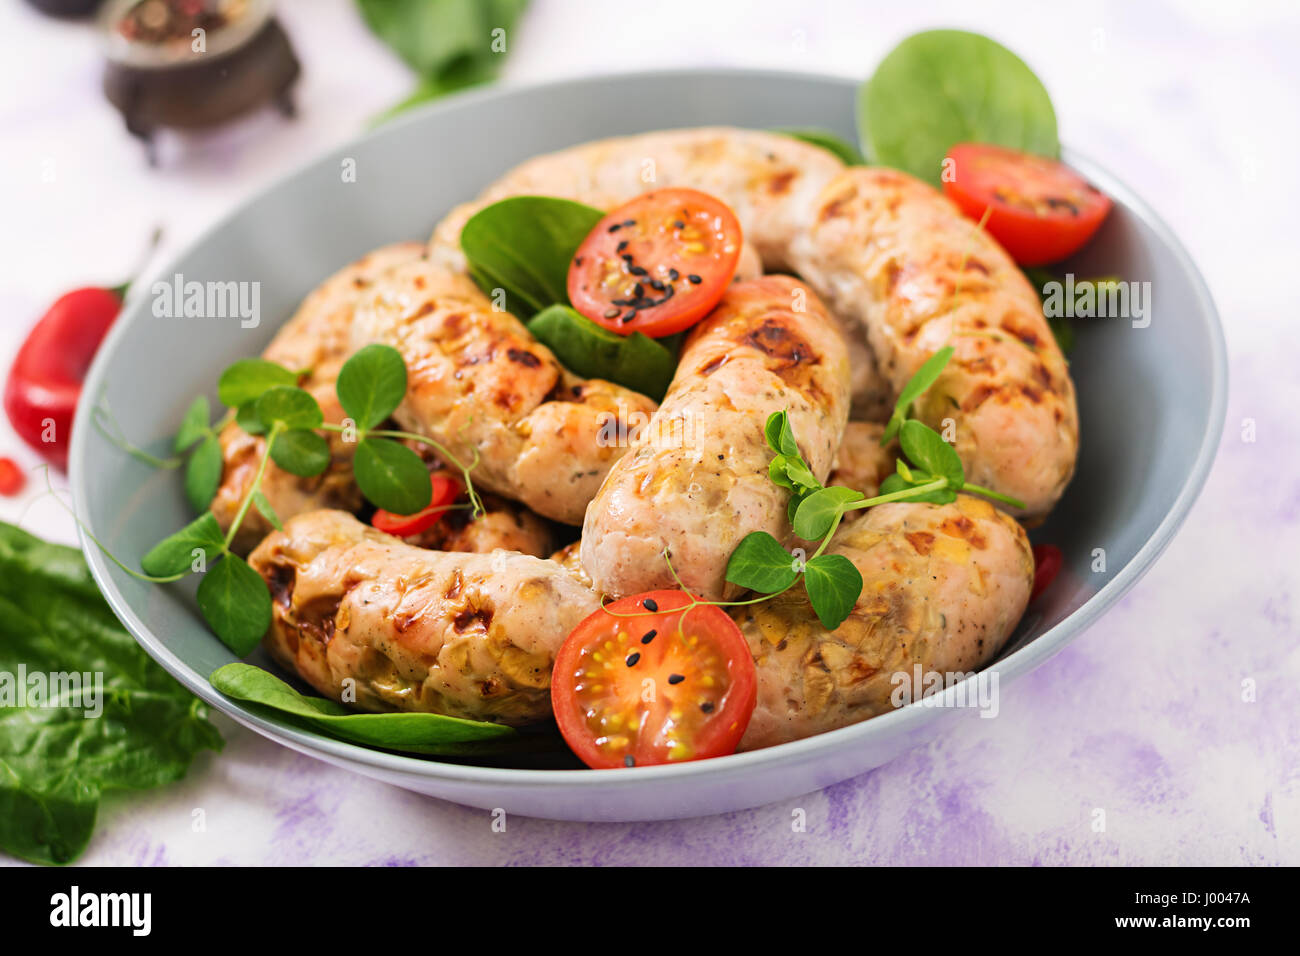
(470, 616)
(921, 541)
(524, 358)
(780, 183)
(964, 528)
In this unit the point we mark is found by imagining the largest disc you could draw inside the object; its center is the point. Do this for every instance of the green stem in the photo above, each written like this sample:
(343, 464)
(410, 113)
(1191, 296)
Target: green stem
(138, 575)
(244, 505)
(903, 495)
(108, 427)
(995, 495)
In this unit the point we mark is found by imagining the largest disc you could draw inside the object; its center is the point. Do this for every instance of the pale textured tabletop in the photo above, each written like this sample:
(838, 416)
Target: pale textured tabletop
(1143, 717)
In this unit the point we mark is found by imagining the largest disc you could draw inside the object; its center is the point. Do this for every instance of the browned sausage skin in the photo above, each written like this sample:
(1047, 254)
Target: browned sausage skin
(484, 388)
(897, 257)
(382, 625)
(699, 482)
(316, 340)
(943, 588)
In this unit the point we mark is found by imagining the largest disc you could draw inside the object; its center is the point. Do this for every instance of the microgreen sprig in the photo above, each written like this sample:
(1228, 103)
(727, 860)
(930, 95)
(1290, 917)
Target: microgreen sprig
(265, 399)
(930, 471)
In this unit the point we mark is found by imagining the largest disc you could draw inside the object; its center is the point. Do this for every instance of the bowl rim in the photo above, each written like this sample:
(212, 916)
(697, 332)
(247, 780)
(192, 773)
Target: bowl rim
(894, 723)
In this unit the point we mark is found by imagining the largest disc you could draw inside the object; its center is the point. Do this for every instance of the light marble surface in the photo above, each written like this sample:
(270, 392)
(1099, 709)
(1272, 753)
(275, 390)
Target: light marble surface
(1195, 105)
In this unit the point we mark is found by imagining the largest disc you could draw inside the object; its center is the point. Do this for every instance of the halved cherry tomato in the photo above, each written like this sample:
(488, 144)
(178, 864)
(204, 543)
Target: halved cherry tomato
(1040, 210)
(445, 490)
(1047, 565)
(653, 679)
(658, 264)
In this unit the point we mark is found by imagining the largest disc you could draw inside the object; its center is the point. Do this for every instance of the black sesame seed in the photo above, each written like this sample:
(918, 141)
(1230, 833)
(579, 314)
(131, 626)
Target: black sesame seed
(656, 285)
(627, 257)
(629, 222)
(631, 314)
(674, 274)
(650, 604)
(679, 224)
(611, 313)
(629, 761)
(637, 271)
(621, 246)
(616, 227)
(675, 678)
(648, 636)
(695, 280)
(633, 658)
(639, 291)
(577, 260)
(707, 706)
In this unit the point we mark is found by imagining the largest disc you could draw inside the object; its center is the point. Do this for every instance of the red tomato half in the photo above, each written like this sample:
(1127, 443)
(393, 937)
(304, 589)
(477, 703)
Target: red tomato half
(650, 679)
(1040, 210)
(658, 264)
(445, 491)
(1047, 565)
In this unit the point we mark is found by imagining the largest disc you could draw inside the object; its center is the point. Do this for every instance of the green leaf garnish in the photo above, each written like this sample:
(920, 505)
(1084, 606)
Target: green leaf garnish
(203, 473)
(759, 563)
(833, 584)
(245, 380)
(175, 554)
(371, 384)
(301, 452)
(916, 386)
(193, 426)
(818, 512)
(290, 407)
(410, 732)
(235, 602)
(780, 436)
(391, 476)
(841, 149)
(943, 87)
(927, 449)
(634, 361)
(266, 511)
(523, 245)
(246, 418)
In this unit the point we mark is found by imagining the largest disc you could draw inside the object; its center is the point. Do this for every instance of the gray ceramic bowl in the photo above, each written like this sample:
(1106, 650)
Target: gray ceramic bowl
(1152, 403)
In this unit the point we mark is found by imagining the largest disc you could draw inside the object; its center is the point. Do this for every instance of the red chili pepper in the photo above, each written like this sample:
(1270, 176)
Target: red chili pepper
(12, 478)
(1047, 565)
(45, 381)
(445, 491)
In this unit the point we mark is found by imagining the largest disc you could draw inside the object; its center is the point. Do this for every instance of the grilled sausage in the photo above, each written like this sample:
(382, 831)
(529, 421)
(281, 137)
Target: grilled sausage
(769, 180)
(893, 259)
(943, 588)
(315, 340)
(889, 252)
(468, 635)
(699, 482)
(478, 383)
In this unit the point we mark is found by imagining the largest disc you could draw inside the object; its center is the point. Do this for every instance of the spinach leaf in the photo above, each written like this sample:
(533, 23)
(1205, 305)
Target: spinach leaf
(55, 761)
(943, 87)
(844, 151)
(449, 43)
(584, 348)
(410, 732)
(523, 245)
